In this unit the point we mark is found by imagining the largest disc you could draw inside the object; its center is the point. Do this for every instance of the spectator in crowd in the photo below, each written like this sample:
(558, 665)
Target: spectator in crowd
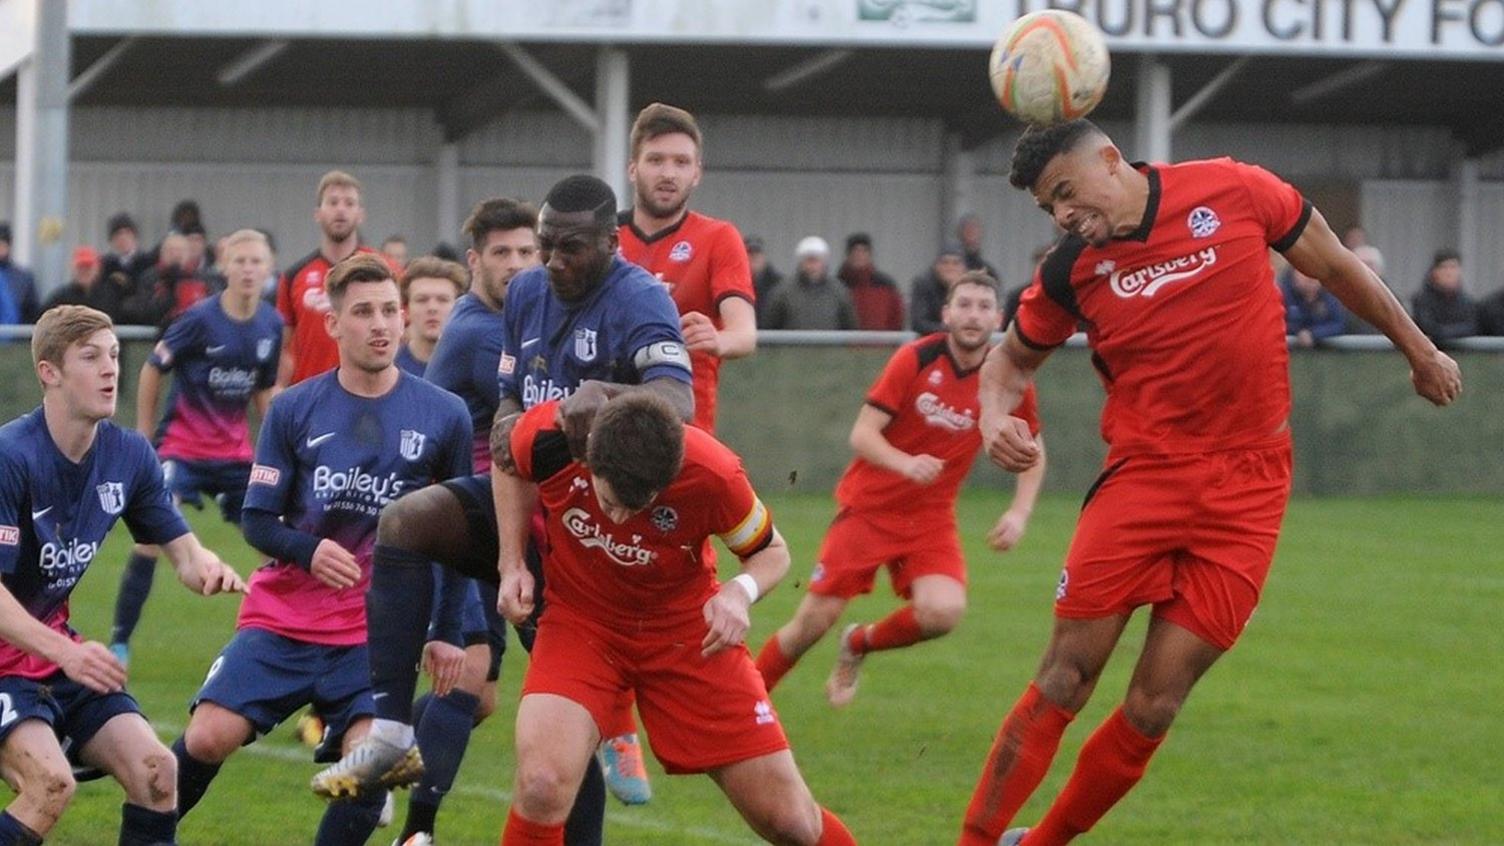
(810, 299)
(874, 294)
(1311, 312)
(928, 290)
(395, 250)
(764, 277)
(89, 286)
(125, 255)
(1441, 308)
(1491, 314)
(200, 261)
(447, 251)
(169, 288)
(185, 216)
(969, 231)
(18, 291)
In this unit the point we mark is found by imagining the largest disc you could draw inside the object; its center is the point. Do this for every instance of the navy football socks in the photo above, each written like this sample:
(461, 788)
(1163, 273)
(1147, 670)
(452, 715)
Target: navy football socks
(398, 606)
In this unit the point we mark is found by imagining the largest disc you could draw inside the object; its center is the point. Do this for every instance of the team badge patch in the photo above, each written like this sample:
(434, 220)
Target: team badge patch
(584, 344)
(665, 519)
(681, 252)
(111, 497)
(935, 377)
(264, 475)
(1203, 222)
(762, 712)
(163, 353)
(507, 365)
(10, 536)
(412, 444)
(263, 349)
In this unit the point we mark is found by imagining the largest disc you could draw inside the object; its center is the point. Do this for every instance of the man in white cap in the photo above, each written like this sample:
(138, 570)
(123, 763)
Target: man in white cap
(810, 298)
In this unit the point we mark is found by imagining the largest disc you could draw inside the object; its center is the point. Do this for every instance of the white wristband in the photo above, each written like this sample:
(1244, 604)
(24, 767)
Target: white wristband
(749, 585)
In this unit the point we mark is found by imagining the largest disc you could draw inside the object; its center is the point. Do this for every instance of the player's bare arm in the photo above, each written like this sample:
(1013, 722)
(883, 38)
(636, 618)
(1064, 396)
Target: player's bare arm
(262, 400)
(869, 443)
(148, 394)
(286, 362)
(1006, 375)
(90, 664)
(727, 612)
(737, 337)
(516, 498)
(1010, 527)
(200, 569)
(577, 412)
(1319, 253)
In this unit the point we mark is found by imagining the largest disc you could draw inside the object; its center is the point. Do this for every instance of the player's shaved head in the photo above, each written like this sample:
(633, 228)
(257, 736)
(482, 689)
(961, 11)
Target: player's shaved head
(581, 200)
(637, 446)
(1040, 144)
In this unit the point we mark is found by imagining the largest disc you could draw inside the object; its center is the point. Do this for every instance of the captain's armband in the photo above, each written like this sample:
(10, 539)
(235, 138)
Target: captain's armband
(661, 353)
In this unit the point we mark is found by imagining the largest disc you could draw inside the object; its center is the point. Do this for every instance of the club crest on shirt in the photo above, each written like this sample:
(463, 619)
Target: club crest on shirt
(681, 252)
(111, 497)
(412, 444)
(935, 377)
(584, 344)
(263, 349)
(1203, 222)
(665, 519)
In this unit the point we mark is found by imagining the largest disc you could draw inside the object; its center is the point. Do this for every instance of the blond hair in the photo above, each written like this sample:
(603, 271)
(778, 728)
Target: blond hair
(332, 179)
(433, 267)
(245, 236)
(60, 327)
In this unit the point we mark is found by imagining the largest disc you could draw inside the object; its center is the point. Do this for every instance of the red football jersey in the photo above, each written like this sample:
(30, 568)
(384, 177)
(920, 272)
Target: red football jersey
(647, 574)
(703, 261)
(935, 411)
(302, 303)
(1183, 315)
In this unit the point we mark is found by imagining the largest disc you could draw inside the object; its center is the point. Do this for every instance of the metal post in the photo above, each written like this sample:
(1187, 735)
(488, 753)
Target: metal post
(1152, 116)
(612, 91)
(958, 196)
(42, 150)
(447, 193)
(1465, 175)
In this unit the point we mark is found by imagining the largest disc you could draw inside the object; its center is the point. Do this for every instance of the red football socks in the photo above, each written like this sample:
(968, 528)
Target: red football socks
(1112, 760)
(1019, 759)
(773, 664)
(833, 831)
(521, 831)
(894, 631)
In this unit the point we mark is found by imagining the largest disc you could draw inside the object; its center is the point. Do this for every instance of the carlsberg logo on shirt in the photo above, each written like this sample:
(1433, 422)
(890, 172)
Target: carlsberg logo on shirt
(579, 524)
(1145, 281)
(329, 483)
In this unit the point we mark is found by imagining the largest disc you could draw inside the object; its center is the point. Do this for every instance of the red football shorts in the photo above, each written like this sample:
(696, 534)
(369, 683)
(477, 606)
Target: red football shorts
(700, 713)
(1191, 535)
(857, 545)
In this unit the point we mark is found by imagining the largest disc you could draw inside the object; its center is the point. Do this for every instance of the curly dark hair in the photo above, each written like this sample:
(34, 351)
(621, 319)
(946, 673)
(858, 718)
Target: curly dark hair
(1039, 144)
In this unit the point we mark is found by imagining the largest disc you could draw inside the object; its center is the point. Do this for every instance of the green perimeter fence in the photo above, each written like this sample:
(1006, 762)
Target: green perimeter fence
(1359, 428)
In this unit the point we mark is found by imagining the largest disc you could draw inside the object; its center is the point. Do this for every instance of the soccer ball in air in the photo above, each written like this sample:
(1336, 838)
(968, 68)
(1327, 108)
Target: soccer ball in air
(1049, 67)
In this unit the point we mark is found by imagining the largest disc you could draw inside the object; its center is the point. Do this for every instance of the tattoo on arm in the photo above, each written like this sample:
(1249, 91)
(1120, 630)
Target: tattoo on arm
(501, 439)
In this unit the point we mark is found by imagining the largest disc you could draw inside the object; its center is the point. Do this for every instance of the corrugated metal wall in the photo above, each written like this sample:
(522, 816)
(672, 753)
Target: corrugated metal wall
(780, 178)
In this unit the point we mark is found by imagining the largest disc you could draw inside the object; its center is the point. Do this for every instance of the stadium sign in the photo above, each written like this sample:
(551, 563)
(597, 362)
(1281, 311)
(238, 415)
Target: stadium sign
(1430, 29)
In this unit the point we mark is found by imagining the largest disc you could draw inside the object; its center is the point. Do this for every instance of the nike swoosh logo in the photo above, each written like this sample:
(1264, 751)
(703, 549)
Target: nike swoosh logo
(529, 342)
(215, 350)
(37, 515)
(313, 442)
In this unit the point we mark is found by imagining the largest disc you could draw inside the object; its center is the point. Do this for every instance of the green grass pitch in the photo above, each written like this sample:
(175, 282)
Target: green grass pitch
(1362, 706)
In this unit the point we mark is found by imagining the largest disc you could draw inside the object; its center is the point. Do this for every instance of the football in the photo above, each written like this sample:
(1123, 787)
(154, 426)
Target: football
(1049, 67)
